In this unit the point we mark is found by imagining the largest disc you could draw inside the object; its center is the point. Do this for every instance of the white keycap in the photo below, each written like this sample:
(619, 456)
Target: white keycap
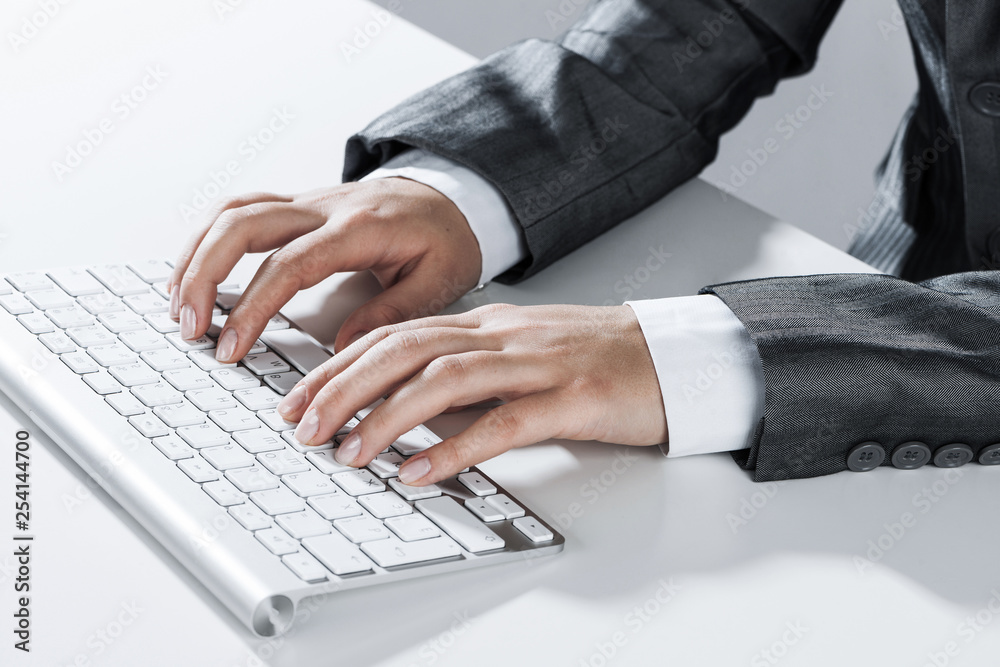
(337, 505)
(102, 383)
(358, 482)
(262, 364)
(277, 501)
(274, 421)
(360, 529)
(259, 440)
(393, 552)
(386, 464)
(191, 379)
(58, 342)
(415, 440)
(162, 322)
(119, 279)
(252, 479)
(206, 361)
(114, 354)
(283, 382)
(26, 281)
(483, 510)
(337, 554)
(126, 404)
(15, 304)
(223, 492)
(303, 524)
(160, 287)
(348, 427)
(306, 567)
(476, 483)
(76, 281)
(145, 304)
(149, 425)
(144, 340)
(202, 343)
(275, 323)
(227, 457)
(166, 360)
(282, 462)
(173, 447)
(157, 393)
(250, 516)
(324, 461)
(80, 362)
(457, 522)
(257, 348)
(90, 336)
(508, 507)
(71, 316)
(277, 541)
(412, 493)
(384, 505)
(49, 298)
(412, 527)
(5, 287)
(212, 398)
(36, 322)
(226, 299)
(289, 437)
(151, 270)
(203, 435)
(235, 378)
(120, 322)
(98, 304)
(234, 419)
(178, 414)
(295, 347)
(309, 483)
(533, 529)
(258, 398)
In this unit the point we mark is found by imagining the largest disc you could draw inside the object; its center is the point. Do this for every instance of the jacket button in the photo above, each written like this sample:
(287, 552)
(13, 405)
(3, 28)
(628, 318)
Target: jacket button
(910, 455)
(866, 456)
(985, 98)
(953, 455)
(990, 456)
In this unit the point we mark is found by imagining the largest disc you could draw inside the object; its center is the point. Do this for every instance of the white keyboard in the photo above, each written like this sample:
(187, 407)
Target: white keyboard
(196, 451)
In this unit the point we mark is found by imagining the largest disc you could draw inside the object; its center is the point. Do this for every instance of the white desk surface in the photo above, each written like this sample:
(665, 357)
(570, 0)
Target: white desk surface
(105, 593)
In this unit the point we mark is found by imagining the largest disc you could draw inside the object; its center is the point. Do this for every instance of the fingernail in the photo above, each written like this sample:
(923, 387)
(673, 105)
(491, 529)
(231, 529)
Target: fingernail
(349, 450)
(173, 302)
(292, 403)
(414, 469)
(227, 345)
(189, 322)
(308, 428)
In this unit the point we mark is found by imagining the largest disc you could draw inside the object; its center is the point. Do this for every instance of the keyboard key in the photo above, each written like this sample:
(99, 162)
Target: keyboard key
(295, 347)
(98, 304)
(212, 398)
(173, 447)
(250, 516)
(203, 435)
(70, 316)
(289, 437)
(90, 336)
(277, 541)
(160, 287)
(283, 382)
(325, 462)
(274, 421)
(360, 529)
(119, 279)
(5, 287)
(483, 510)
(144, 304)
(384, 505)
(533, 529)
(413, 493)
(144, 340)
(202, 343)
(309, 483)
(227, 457)
(268, 362)
(337, 505)
(166, 360)
(149, 425)
(226, 299)
(114, 354)
(393, 552)
(235, 378)
(303, 524)
(102, 383)
(457, 522)
(206, 361)
(27, 281)
(306, 567)
(277, 322)
(36, 322)
(257, 348)
(49, 298)
(348, 427)
(15, 304)
(234, 419)
(162, 322)
(282, 462)
(57, 342)
(121, 322)
(476, 483)
(258, 398)
(508, 507)
(412, 527)
(278, 501)
(415, 440)
(386, 464)
(157, 393)
(76, 281)
(358, 482)
(178, 414)
(252, 479)
(259, 440)
(337, 554)
(126, 404)
(151, 270)
(80, 362)
(223, 492)
(190, 379)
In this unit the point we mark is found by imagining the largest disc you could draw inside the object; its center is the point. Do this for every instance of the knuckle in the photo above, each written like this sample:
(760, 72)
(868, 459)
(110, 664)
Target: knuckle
(401, 345)
(446, 371)
(503, 423)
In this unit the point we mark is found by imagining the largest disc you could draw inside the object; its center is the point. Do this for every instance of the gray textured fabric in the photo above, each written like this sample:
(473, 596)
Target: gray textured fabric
(582, 134)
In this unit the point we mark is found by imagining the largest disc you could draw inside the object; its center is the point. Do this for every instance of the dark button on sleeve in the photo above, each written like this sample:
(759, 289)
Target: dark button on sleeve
(990, 455)
(910, 455)
(866, 456)
(953, 455)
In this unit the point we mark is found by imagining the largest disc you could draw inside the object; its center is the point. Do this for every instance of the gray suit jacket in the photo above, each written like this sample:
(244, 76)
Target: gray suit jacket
(581, 134)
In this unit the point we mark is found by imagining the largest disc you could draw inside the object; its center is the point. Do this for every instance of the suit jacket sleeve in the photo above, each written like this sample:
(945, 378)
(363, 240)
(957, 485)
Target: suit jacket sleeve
(581, 134)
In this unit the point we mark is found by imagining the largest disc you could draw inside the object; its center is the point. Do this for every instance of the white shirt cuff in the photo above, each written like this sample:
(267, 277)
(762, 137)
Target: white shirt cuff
(708, 369)
(501, 241)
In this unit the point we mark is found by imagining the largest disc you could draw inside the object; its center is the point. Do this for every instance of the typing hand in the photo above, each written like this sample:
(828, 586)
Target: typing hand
(413, 239)
(576, 372)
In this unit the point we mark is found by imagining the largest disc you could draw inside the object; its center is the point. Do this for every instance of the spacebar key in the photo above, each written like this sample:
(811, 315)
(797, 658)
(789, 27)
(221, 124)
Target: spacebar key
(460, 524)
(296, 348)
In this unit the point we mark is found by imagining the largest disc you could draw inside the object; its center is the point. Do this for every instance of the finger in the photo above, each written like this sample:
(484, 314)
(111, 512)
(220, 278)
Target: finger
(392, 362)
(524, 421)
(458, 379)
(252, 228)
